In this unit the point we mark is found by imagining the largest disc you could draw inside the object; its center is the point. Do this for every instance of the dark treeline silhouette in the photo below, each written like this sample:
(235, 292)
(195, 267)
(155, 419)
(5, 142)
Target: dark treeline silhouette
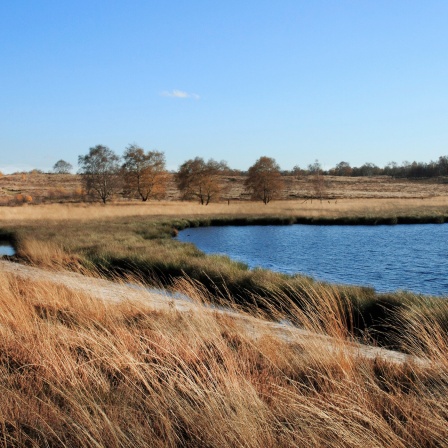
(407, 169)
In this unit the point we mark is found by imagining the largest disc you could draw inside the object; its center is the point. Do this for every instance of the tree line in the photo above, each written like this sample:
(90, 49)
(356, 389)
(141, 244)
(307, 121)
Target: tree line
(410, 170)
(137, 174)
(142, 174)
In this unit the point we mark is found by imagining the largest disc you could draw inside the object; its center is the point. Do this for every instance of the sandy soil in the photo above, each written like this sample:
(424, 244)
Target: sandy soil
(114, 292)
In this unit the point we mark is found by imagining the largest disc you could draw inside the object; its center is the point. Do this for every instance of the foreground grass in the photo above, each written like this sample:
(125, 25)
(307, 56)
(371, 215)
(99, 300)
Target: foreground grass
(75, 371)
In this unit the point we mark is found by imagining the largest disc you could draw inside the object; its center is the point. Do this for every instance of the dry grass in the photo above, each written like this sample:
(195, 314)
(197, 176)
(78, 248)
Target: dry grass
(75, 371)
(50, 188)
(136, 239)
(332, 209)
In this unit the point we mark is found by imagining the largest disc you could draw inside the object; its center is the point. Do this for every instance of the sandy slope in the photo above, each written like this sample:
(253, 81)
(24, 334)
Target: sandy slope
(255, 328)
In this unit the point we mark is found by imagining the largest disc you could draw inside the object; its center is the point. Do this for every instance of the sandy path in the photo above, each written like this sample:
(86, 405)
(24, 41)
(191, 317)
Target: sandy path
(97, 287)
(253, 327)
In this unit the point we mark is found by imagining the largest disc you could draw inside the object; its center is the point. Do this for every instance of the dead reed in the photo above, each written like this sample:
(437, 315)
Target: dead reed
(76, 371)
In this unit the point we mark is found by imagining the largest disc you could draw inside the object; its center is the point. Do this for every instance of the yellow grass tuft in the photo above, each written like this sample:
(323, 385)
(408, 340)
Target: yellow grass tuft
(48, 255)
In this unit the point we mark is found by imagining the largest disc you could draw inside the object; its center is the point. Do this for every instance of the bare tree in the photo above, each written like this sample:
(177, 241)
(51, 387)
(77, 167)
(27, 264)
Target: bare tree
(297, 171)
(100, 170)
(199, 179)
(264, 179)
(62, 167)
(318, 182)
(144, 173)
(342, 169)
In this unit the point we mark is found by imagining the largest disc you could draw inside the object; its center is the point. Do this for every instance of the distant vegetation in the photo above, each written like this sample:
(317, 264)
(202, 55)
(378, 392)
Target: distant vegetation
(143, 174)
(410, 170)
(197, 179)
(104, 175)
(264, 180)
(62, 167)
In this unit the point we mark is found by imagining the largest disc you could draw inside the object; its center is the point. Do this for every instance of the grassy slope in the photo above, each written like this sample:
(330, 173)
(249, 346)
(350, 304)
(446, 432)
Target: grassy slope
(77, 372)
(137, 239)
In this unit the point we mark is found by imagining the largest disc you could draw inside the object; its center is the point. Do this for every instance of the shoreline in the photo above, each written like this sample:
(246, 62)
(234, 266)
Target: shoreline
(139, 242)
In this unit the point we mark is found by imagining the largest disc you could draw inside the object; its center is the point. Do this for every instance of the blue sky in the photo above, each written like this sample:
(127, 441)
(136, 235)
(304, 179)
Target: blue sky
(353, 80)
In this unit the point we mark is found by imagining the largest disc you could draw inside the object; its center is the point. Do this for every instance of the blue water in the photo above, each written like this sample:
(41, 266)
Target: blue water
(388, 258)
(6, 249)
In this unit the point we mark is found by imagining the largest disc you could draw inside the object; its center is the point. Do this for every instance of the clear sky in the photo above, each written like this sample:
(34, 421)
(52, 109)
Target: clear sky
(298, 80)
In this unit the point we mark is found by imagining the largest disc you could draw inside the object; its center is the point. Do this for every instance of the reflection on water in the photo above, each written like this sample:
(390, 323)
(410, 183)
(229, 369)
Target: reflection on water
(408, 257)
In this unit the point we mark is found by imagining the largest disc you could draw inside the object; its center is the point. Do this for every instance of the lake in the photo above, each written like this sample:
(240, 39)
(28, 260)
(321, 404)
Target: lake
(409, 257)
